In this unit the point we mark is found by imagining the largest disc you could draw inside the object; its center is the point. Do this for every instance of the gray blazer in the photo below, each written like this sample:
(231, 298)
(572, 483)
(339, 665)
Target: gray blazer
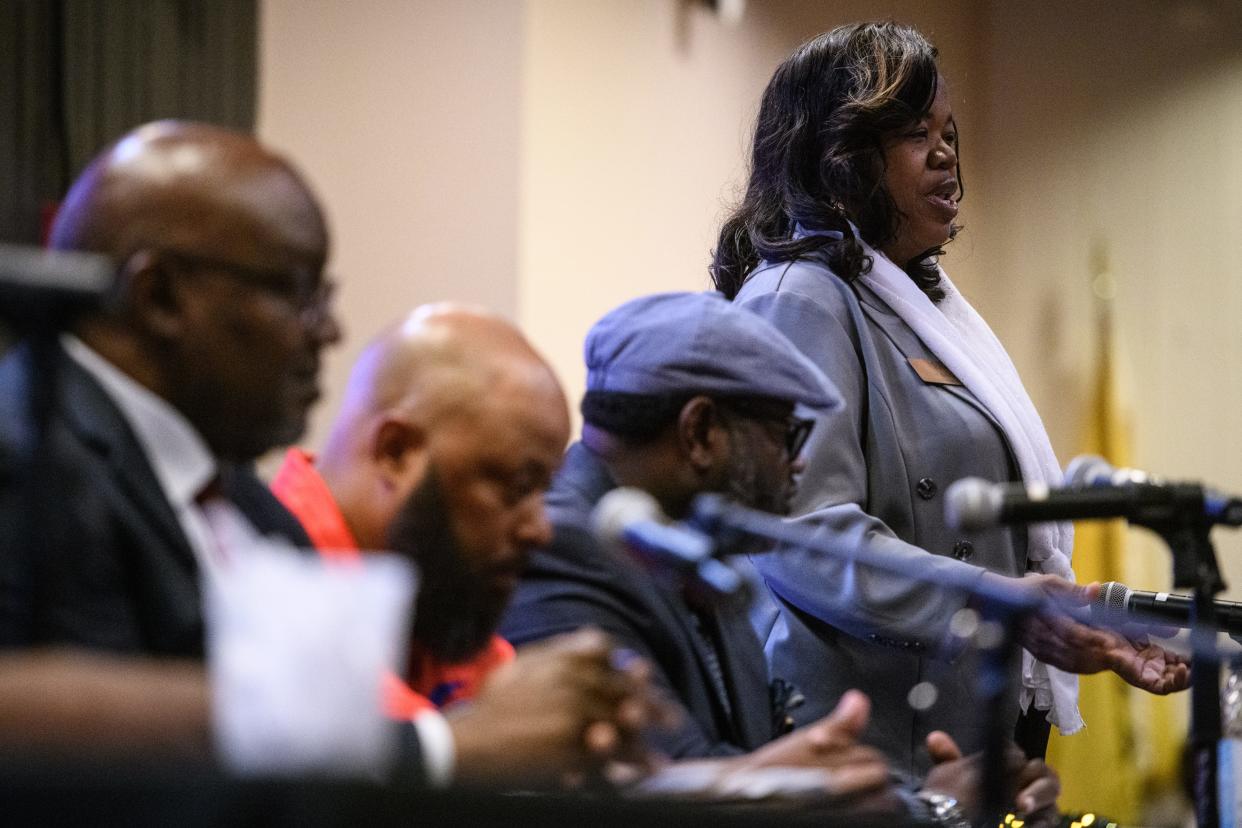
(876, 473)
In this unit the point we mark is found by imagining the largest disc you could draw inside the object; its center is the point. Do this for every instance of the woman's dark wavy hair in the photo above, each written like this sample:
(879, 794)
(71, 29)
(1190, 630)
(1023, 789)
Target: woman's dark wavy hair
(818, 155)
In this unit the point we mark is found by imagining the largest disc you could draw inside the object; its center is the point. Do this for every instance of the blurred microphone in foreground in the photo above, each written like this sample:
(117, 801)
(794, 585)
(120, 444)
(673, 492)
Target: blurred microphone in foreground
(632, 518)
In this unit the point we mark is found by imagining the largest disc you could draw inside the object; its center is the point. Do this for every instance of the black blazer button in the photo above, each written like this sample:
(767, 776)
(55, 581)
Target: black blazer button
(962, 550)
(926, 488)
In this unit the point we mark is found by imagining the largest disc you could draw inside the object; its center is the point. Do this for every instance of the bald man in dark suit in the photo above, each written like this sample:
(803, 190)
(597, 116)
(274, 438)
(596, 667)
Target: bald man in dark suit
(207, 356)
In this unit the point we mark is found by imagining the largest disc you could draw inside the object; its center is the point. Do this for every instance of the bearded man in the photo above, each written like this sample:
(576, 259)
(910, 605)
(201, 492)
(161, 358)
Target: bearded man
(450, 432)
(685, 395)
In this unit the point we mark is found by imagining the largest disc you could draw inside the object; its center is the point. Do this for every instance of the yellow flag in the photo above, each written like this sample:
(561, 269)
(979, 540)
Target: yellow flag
(1130, 749)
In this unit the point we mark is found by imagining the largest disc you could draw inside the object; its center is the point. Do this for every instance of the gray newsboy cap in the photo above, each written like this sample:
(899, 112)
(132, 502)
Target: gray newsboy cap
(672, 343)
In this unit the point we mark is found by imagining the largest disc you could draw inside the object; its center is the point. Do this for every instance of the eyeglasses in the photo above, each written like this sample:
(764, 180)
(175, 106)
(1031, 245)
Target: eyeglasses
(309, 295)
(797, 432)
(797, 429)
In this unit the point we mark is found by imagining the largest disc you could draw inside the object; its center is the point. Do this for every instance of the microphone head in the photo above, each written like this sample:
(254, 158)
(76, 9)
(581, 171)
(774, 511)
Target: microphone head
(621, 508)
(972, 503)
(1110, 605)
(721, 579)
(1087, 470)
(707, 510)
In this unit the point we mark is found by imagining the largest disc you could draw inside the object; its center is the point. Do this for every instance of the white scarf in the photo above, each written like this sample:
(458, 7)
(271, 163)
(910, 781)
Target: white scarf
(960, 339)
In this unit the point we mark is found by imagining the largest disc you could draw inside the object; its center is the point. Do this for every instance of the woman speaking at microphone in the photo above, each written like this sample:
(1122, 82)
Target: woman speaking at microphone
(852, 196)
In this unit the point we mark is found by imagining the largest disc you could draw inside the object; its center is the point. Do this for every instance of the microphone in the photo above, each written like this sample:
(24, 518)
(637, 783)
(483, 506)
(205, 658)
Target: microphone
(632, 518)
(1090, 470)
(973, 503)
(1117, 603)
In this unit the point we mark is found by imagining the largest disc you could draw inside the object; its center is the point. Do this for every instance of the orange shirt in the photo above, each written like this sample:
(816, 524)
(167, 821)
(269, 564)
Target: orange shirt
(437, 684)
(304, 493)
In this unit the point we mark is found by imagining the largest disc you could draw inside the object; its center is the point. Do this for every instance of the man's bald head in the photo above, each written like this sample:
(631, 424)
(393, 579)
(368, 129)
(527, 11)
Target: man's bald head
(443, 360)
(187, 186)
(451, 431)
(221, 307)
(451, 406)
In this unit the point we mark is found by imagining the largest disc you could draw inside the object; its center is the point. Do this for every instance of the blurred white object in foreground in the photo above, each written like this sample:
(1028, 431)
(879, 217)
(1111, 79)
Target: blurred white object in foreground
(297, 648)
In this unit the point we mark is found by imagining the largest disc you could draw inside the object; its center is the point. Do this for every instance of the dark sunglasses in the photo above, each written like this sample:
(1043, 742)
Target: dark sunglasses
(797, 429)
(797, 432)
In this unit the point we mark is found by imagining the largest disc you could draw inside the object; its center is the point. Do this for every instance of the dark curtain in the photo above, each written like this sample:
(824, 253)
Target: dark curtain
(81, 73)
(32, 158)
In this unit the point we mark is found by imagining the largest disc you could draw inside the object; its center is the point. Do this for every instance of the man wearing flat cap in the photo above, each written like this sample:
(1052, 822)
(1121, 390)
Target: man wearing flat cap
(685, 394)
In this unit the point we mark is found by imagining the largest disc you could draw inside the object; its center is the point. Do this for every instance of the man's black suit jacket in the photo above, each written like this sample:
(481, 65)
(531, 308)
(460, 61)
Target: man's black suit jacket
(574, 582)
(114, 570)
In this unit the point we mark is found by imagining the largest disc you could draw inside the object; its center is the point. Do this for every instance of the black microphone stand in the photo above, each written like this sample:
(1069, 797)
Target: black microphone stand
(1186, 531)
(41, 292)
(999, 650)
(1002, 609)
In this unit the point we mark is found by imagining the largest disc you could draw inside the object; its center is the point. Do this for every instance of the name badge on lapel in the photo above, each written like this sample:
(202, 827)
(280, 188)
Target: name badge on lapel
(933, 372)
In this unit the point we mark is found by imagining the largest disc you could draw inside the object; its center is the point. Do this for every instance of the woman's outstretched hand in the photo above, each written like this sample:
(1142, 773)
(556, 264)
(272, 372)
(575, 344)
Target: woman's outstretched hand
(1060, 641)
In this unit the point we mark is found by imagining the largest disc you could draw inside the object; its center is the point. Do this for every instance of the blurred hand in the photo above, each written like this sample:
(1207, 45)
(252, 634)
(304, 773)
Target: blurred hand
(821, 760)
(1036, 785)
(1056, 639)
(831, 744)
(1038, 788)
(958, 776)
(78, 704)
(559, 711)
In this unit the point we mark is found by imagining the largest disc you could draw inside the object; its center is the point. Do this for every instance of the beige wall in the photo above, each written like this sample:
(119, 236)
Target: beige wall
(551, 158)
(546, 158)
(635, 133)
(404, 115)
(1116, 134)
(1112, 135)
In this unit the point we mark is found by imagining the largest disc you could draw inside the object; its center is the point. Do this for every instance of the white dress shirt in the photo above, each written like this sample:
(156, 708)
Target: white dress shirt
(181, 460)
